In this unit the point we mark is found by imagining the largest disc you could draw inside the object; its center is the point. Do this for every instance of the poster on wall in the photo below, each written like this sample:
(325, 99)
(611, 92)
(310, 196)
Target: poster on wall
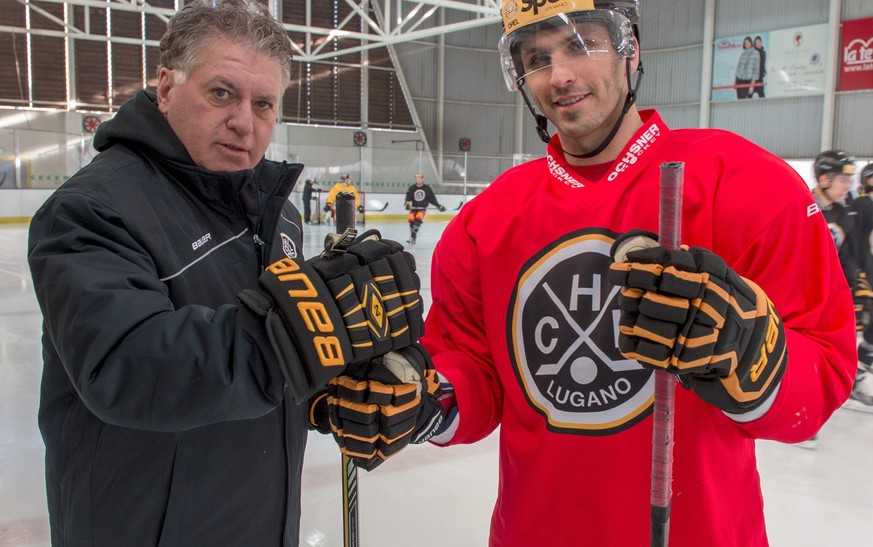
(778, 63)
(856, 62)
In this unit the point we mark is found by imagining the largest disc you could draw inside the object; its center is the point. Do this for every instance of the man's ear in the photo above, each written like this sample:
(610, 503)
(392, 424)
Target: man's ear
(635, 60)
(166, 82)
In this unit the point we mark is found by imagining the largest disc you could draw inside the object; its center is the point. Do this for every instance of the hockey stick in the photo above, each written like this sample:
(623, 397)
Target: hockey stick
(345, 220)
(669, 234)
(458, 208)
(378, 210)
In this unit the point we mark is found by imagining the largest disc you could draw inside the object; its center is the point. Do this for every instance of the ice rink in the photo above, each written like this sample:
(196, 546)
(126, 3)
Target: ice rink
(427, 496)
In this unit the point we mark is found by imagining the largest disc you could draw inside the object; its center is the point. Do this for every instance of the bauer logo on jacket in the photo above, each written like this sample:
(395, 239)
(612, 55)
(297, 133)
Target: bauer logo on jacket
(562, 335)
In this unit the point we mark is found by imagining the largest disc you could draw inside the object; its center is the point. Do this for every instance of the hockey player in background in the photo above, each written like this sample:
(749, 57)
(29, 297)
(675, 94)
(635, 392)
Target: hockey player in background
(418, 197)
(344, 185)
(833, 170)
(551, 331)
(862, 392)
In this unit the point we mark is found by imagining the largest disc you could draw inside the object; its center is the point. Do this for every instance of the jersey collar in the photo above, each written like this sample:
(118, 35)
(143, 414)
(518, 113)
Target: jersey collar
(636, 153)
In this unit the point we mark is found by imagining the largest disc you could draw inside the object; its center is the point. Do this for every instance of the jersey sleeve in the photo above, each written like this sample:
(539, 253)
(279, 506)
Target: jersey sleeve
(803, 278)
(455, 335)
(431, 196)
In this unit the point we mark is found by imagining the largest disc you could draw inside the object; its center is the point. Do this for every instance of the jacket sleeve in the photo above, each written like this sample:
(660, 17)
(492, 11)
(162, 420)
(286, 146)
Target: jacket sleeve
(133, 357)
(455, 336)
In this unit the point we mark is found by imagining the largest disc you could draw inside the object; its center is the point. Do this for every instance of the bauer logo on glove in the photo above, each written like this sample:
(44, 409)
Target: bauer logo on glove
(337, 309)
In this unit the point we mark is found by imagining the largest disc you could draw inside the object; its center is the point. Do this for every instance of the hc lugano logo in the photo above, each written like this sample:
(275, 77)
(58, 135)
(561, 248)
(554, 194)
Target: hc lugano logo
(562, 333)
(418, 195)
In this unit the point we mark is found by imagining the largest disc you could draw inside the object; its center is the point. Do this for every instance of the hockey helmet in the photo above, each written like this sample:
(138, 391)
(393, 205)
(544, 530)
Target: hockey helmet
(867, 174)
(833, 163)
(523, 19)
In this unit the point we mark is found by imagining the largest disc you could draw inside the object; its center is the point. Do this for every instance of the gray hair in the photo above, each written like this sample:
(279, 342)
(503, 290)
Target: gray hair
(242, 20)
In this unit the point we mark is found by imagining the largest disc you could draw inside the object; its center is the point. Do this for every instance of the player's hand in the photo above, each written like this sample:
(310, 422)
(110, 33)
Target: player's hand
(862, 295)
(441, 207)
(376, 409)
(360, 208)
(408, 205)
(690, 314)
(338, 308)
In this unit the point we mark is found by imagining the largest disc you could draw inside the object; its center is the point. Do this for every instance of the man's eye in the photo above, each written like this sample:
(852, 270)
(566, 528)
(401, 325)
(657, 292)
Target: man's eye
(221, 93)
(264, 105)
(537, 60)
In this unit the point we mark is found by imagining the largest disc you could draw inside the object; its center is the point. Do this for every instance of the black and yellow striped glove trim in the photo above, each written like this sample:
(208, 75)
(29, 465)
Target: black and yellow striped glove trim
(690, 314)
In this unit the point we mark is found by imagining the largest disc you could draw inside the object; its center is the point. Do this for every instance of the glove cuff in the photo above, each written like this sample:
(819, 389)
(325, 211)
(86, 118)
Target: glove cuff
(758, 371)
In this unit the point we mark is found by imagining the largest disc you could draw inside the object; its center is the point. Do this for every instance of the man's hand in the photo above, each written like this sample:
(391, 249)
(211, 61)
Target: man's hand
(408, 205)
(441, 207)
(360, 208)
(337, 309)
(376, 409)
(690, 314)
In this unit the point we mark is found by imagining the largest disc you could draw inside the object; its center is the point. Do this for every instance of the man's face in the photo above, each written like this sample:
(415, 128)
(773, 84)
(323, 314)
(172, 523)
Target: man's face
(419, 180)
(579, 87)
(225, 112)
(838, 188)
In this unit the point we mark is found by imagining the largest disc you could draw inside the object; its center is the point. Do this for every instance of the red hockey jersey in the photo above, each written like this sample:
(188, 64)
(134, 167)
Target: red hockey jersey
(524, 324)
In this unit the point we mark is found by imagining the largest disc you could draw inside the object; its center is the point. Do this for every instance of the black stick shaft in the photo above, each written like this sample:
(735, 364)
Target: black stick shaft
(345, 211)
(345, 219)
(669, 234)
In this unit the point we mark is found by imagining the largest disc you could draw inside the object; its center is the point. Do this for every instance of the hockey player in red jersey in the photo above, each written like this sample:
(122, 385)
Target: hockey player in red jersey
(535, 328)
(528, 333)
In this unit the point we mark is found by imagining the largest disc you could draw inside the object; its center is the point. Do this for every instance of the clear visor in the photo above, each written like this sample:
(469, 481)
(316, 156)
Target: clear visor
(532, 51)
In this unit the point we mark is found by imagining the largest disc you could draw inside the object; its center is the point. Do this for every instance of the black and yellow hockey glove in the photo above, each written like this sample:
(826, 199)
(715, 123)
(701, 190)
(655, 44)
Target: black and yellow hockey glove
(337, 309)
(376, 409)
(690, 314)
(862, 294)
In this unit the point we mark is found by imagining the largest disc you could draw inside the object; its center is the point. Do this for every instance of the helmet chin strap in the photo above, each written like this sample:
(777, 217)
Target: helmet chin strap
(542, 121)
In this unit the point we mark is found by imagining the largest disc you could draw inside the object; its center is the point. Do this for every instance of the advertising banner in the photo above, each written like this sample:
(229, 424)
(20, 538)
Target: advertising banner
(778, 63)
(856, 47)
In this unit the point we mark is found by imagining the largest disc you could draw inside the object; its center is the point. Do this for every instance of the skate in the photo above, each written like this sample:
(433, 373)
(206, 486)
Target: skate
(861, 398)
(411, 241)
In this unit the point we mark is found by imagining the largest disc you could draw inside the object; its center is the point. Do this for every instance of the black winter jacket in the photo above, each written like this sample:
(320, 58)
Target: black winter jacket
(163, 412)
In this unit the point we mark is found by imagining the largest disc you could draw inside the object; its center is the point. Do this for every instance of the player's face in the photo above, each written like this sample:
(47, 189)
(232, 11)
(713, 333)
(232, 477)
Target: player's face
(839, 187)
(419, 180)
(580, 86)
(225, 111)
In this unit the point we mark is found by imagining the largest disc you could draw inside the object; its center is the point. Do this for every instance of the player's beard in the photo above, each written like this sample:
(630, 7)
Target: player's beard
(582, 130)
